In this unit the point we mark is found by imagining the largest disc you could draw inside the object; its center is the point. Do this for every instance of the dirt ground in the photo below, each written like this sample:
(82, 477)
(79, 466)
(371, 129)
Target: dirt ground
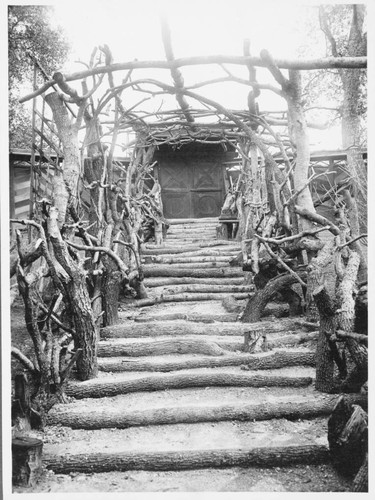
(317, 478)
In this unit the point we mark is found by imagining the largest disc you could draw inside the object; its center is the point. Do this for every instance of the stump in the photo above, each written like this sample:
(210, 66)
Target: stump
(27, 461)
(348, 437)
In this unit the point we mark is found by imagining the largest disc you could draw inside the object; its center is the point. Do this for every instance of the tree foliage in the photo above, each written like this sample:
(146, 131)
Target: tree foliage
(30, 34)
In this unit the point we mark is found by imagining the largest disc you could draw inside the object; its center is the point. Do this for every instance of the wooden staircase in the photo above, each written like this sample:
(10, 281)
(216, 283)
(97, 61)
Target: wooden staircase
(177, 392)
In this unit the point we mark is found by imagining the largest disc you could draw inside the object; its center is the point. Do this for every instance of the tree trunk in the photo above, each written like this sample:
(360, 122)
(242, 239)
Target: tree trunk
(360, 483)
(66, 184)
(345, 322)
(299, 136)
(279, 359)
(320, 270)
(348, 436)
(26, 461)
(324, 355)
(78, 303)
(255, 306)
(118, 418)
(65, 196)
(351, 124)
(111, 387)
(110, 286)
(188, 459)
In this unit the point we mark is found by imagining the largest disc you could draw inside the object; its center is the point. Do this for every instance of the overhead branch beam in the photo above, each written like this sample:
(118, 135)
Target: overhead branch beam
(308, 64)
(178, 79)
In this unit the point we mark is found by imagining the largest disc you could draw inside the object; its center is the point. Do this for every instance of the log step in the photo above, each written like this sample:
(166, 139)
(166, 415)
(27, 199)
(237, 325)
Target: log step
(158, 282)
(168, 363)
(189, 236)
(81, 416)
(228, 253)
(195, 396)
(204, 289)
(179, 310)
(182, 460)
(223, 435)
(190, 344)
(187, 260)
(203, 220)
(134, 347)
(190, 265)
(133, 329)
(165, 270)
(191, 317)
(176, 249)
(134, 382)
(188, 297)
(177, 232)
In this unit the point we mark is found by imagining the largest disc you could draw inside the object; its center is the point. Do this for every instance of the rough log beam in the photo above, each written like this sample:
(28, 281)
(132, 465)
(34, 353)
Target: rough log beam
(160, 346)
(319, 219)
(189, 297)
(320, 63)
(188, 459)
(160, 381)
(78, 419)
(348, 436)
(157, 328)
(276, 359)
(170, 271)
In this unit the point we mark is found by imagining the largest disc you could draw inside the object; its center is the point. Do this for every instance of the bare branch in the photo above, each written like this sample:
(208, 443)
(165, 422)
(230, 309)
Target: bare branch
(54, 318)
(351, 335)
(108, 251)
(281, 262)
(326, 30)
(65, 373)
(27, 363)
(274, 69)
(309, 180)
(280, 241)
(340, 247)
(60, 79)
(321, 63)
(319, 219)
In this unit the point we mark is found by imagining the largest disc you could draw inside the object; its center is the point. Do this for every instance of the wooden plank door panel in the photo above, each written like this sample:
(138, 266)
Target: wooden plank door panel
(207, 176)
(191, 188)
(176, 185)
(206, 203)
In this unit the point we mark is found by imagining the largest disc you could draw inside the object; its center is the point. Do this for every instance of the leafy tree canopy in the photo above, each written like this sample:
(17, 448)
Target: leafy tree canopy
(30, 33)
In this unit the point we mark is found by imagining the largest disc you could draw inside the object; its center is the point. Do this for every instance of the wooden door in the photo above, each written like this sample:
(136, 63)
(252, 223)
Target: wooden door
(175, 182)
(191, 188)
(207, 189)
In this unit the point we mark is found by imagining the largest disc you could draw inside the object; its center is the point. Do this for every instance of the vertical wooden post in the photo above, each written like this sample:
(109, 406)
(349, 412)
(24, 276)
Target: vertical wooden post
(26, 461)
(158, 233)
